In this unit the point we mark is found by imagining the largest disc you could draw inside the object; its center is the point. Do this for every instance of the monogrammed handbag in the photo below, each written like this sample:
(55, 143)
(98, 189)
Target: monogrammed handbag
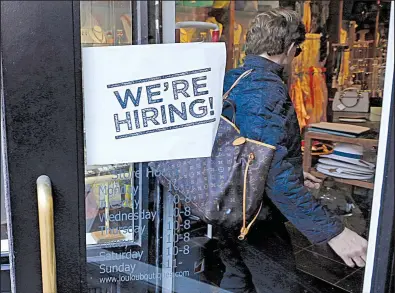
(227, 188)
(351, 100)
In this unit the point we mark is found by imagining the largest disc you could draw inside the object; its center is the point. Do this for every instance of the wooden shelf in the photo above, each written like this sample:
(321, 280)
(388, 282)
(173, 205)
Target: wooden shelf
(360, 183)
(367, 143)
(307, 157)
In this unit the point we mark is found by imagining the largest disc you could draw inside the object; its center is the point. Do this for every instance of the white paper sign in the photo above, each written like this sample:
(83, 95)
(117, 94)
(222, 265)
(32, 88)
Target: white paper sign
(152, 102)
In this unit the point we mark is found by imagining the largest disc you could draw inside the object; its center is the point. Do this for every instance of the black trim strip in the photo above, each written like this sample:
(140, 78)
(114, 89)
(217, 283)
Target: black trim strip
(185, 73)
(165, 128)
(384, 250)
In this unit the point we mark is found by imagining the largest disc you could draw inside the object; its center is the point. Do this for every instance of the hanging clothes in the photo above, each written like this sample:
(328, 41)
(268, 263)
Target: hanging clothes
(318, 95)
(237, 44)
(186, 35)
(307, 15)
(309, 83)
(344, 71)
(298, 102)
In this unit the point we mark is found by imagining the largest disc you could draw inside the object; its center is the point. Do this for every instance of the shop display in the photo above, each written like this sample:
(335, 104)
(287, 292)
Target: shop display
(225, 14)
(338, 162)
(97, 35)
(105, 23)
(319, 148)
(346, 162)
(351, 100)
(358, 60)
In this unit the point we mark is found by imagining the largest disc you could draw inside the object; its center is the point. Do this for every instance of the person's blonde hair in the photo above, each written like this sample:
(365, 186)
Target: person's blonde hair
(273, 32)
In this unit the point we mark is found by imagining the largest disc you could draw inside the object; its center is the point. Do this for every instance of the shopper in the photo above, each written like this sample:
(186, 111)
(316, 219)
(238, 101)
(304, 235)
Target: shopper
(264, 261)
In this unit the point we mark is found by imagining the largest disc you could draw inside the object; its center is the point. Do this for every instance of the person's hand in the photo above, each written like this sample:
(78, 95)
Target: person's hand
(311, 181)
(351, 247)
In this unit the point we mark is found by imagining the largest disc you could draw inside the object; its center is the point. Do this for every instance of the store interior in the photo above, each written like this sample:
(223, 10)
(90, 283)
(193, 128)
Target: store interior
(336, 85)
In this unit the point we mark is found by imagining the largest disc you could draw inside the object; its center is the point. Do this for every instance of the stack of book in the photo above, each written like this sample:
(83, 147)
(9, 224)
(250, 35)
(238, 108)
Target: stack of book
(341, 129)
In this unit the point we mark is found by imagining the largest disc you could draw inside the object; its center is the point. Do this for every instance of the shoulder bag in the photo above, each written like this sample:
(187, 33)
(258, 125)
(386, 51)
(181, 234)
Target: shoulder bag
(227, 188)
(351, 100)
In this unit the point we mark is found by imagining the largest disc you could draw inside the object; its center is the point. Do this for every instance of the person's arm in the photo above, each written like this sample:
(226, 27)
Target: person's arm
(286, 190)
(342, 247)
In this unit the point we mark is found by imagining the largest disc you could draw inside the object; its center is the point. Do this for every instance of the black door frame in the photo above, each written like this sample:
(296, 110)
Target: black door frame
(385, 240)
(41, 60)
(43, 115)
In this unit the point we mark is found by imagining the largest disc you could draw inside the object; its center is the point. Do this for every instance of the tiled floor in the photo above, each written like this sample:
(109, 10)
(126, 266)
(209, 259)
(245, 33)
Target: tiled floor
(321, 263)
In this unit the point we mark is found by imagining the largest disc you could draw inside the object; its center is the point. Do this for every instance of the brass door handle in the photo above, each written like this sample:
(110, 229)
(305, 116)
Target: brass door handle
(47, 234)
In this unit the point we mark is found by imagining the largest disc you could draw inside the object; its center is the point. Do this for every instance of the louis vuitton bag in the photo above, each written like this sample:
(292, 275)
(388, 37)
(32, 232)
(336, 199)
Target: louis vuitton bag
(227, 188)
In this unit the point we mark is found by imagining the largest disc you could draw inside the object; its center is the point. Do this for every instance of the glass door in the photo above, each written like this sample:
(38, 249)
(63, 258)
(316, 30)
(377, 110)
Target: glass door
(138, 237)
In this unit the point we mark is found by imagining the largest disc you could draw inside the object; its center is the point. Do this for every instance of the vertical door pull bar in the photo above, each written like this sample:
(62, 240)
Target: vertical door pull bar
(47, 234)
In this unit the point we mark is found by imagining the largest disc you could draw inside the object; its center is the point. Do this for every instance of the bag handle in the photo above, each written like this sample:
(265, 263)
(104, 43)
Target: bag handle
(225, 96)
(245, 74)
(352, 89)
(358, 97)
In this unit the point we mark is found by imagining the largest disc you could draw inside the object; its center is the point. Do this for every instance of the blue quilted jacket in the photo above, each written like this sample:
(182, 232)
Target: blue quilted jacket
(264, 112)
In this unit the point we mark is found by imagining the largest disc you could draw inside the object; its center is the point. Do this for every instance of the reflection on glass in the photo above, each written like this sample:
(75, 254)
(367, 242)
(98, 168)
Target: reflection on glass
(113, 198)
(226, 14)
(106, 23)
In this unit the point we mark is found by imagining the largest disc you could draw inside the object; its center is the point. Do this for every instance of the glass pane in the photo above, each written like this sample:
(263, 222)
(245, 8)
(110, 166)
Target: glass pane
(141, 238)
(333, 59)
(106, 23)
(111, 191)
(225, 14)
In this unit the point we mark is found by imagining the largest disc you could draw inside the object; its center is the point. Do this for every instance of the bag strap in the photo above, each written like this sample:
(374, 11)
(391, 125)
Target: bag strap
(245, 74)
(351, 89)
(358, 97)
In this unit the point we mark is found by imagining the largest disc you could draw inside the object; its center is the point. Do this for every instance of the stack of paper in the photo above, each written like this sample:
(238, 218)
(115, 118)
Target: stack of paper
(347, 130)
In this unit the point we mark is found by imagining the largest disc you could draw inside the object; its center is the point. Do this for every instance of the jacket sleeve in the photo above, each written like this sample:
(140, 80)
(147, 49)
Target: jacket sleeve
(285, 186)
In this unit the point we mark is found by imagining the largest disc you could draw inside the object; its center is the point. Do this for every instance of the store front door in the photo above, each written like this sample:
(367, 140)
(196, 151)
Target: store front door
(115, 228)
